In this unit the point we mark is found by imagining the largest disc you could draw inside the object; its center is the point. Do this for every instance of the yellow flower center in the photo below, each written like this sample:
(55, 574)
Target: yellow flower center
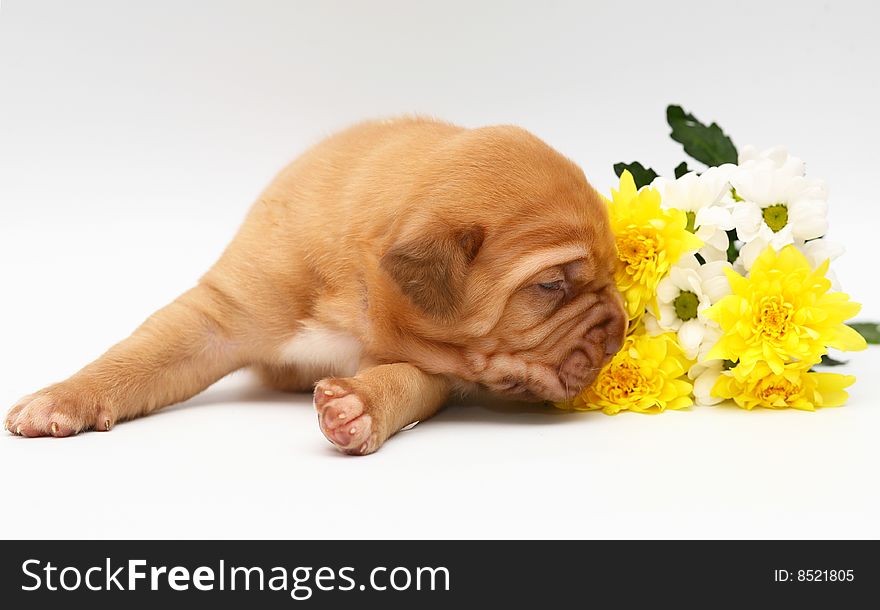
(620, 381)
(692, 220)
(773, 389)
(774, 317)
(637, 249)
(776, 216)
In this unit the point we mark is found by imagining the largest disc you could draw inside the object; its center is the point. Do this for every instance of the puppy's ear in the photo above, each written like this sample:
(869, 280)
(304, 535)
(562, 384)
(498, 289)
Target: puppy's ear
(431, 271)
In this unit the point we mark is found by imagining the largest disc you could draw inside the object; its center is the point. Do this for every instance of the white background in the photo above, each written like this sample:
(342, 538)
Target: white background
(135, 135)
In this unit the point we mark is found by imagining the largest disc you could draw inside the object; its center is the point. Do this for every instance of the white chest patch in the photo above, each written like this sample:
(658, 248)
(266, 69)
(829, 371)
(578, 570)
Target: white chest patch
(325, 351)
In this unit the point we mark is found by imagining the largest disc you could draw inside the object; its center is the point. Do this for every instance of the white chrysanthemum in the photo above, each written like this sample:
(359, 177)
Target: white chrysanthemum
(778, 156)
(818, 251)
(704, 375)
(706, 199)
(682, 297)
(775, 207)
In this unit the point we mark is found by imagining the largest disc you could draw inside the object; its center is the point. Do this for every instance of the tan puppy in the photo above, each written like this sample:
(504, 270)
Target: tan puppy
(396, 262)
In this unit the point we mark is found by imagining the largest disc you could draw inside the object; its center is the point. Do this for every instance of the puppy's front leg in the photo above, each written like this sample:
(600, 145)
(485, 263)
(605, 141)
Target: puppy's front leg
(176, 353)
(359, 413)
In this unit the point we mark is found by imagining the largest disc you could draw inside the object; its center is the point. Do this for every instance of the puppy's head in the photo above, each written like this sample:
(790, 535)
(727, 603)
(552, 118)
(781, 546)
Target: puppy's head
(505, 261)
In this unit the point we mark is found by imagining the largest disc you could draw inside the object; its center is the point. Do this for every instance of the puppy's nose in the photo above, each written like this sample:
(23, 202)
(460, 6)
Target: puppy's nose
(608, 335)
(613, 345)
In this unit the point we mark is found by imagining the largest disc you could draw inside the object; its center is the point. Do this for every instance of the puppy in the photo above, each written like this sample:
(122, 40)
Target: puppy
(394, 264)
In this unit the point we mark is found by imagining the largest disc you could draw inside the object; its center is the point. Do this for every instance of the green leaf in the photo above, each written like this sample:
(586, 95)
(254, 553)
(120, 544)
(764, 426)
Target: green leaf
(732, 251)
(869, 330)
(708, 145)
(829, 361)
(642, 175)
(681, 169)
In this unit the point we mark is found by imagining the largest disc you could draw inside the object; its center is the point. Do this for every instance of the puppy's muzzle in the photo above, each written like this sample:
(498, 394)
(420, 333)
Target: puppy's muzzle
(599, 344)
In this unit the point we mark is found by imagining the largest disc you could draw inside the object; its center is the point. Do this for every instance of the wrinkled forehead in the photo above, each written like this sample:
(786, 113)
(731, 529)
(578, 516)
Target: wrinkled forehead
(553, 232)
(495, 282)
(528, 264)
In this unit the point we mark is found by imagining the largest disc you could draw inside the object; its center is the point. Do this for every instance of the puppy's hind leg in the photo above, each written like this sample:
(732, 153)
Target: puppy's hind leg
(285, 377)
(178, 352)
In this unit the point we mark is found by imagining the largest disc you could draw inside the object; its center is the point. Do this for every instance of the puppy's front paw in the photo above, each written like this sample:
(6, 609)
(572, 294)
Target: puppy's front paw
(343, 420)
(59, 410)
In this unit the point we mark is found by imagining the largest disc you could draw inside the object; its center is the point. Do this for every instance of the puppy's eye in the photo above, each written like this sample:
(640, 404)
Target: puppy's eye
(557, 285)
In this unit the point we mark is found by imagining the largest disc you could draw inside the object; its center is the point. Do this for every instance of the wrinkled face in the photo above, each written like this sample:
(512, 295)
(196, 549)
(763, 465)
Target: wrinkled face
(525, 307)
(560, 322)
(511, 275)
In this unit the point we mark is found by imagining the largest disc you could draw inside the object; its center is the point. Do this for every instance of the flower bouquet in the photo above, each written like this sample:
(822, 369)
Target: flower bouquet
(725, 275)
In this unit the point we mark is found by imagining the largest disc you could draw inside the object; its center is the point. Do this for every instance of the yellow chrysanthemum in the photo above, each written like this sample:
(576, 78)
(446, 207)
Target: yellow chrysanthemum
(650, 240)
(782, 313)
(795, 387)
(647, 375)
